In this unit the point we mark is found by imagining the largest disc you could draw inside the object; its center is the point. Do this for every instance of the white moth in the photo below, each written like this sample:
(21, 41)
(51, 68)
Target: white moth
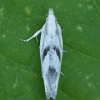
(51, 52)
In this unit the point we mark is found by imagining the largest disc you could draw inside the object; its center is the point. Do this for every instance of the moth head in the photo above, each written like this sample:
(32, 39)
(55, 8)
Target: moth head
(50, 11)
(51, 17)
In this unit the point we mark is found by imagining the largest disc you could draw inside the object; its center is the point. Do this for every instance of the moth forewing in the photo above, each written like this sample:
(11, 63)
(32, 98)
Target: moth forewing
(42, 41)
(60, 36)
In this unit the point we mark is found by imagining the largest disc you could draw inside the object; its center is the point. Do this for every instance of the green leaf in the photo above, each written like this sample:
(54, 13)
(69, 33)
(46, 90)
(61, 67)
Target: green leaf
(20, 68)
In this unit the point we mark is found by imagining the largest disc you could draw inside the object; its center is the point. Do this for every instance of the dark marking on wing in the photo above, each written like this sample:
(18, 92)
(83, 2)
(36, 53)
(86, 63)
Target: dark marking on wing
(52, 73)
(52, 77)
(57, 51)
(45, 52)
(52, 70)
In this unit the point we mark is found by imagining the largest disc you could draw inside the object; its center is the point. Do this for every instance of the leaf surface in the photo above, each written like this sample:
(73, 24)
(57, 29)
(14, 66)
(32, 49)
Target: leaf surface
(20, 68)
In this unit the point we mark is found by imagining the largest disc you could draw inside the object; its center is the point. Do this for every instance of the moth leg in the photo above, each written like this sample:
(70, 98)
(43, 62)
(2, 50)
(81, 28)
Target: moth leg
(64, 50)
(36, 39)
(35, 35)
(62, 28)
(62, 74)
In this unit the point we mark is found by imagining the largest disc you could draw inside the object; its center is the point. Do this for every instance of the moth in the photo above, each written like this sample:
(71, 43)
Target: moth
(51, 52)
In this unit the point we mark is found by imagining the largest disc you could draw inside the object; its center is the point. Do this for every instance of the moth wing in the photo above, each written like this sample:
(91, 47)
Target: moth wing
(59, 39)
(51, 76)
(42, 40)
(59, 32)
